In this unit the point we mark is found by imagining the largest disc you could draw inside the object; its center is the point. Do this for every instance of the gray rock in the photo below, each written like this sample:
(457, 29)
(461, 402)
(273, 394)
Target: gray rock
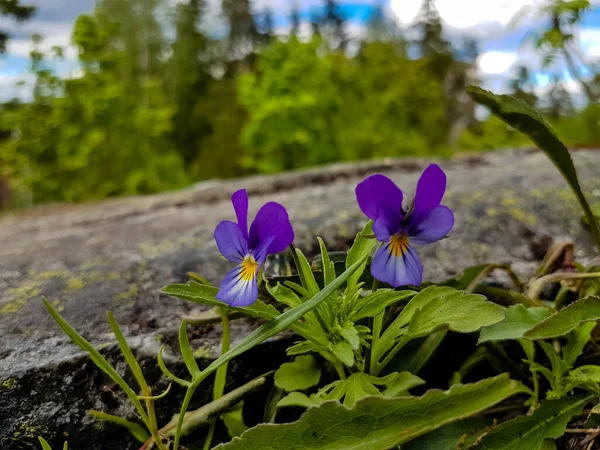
(115, 255)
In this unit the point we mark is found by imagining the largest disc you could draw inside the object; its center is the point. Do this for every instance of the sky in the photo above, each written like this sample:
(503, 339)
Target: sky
(502, 42)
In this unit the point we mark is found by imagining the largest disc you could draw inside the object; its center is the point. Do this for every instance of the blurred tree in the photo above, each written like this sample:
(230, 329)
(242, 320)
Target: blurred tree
(428, 25)
(332, 26)
(106, 132)
(522, 86)
(559, 100)
(557, 38)
(266, 26)
(295, 20)
(188, 81)
(383, 28)
(289, 100)
(13, 9)
(243, 33)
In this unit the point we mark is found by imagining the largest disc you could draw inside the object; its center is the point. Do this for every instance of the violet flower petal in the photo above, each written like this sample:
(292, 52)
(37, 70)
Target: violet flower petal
(431, 225)
(401, 270)
(430, 189)
(378, 190)
(387, 223)
(271, 221)
(237, 290)
(240, 205)
(231, 241)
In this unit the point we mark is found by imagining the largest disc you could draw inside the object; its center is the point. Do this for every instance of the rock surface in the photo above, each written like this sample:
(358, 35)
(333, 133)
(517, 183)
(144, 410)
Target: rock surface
(115, 255)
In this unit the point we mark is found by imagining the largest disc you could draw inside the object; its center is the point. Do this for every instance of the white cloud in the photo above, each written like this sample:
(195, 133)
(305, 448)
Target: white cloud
(464, 13)
(590, 40)
(495, 63)
(19, 86)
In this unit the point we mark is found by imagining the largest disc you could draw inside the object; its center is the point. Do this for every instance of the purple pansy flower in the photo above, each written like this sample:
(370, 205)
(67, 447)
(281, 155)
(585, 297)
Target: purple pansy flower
(396, 262)
(271, 232)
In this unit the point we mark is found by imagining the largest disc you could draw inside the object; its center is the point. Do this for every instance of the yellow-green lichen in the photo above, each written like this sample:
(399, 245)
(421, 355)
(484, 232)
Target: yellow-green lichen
(16, 298)
(130, 293)
(9, 384)
(203, 351)
(74, 284)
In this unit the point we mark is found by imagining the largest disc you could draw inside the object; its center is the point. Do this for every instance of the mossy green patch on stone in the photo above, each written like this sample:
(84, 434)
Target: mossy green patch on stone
(9, 384)
(17, 297)
(75, 284)
(204, 351)
(130, 293)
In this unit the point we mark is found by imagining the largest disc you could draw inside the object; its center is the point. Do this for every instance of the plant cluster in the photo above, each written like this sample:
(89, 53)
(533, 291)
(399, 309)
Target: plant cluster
(366, 326)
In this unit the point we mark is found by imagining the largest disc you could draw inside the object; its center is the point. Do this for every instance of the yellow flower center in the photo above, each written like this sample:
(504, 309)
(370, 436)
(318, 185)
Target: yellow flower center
(249, 266)
(399, 244)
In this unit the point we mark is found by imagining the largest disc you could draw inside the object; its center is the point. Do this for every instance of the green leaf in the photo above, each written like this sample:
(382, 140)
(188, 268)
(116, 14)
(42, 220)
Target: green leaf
(435, 308)
(529, 432)
(413, 358)
(576, 341)
(45, 445)
(349, 333)
(264, 332)
(97, 359)
(567, 319)
(206, 295)
(301, 374)
(548, 444)
(518, 320)
(460, 312)
(450, 437)
(528, 121)
(362, 247)
(298, 399)
(306, 274)
(136, 430)
(376, 302)
(326, 263)
(234, 420)
(284, 295)
(344, 352)
(128, 354)
(400, 383)
(377, 423)
(186, 351)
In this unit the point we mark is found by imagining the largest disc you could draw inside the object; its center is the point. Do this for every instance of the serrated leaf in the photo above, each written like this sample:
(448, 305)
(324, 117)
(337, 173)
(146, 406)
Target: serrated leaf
(362, 246)
(567, 319)
(528, 121)
(435, 308)
(518, 320)
(377, 423)
(460, 312)
(529, 432)
(298, 375)
(450, 437)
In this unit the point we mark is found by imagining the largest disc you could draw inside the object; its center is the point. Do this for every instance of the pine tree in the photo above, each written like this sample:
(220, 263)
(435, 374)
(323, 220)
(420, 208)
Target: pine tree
(295, 20)
(188, 78)
(12, 8)
(428, 24)
(332, 26)
(243, 33)
(522, 86)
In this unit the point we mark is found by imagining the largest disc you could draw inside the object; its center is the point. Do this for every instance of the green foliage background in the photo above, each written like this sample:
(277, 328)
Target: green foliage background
(159, 103)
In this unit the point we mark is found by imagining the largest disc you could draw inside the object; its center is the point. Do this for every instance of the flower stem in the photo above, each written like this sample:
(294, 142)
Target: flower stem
(375, 325)
(221, 375)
